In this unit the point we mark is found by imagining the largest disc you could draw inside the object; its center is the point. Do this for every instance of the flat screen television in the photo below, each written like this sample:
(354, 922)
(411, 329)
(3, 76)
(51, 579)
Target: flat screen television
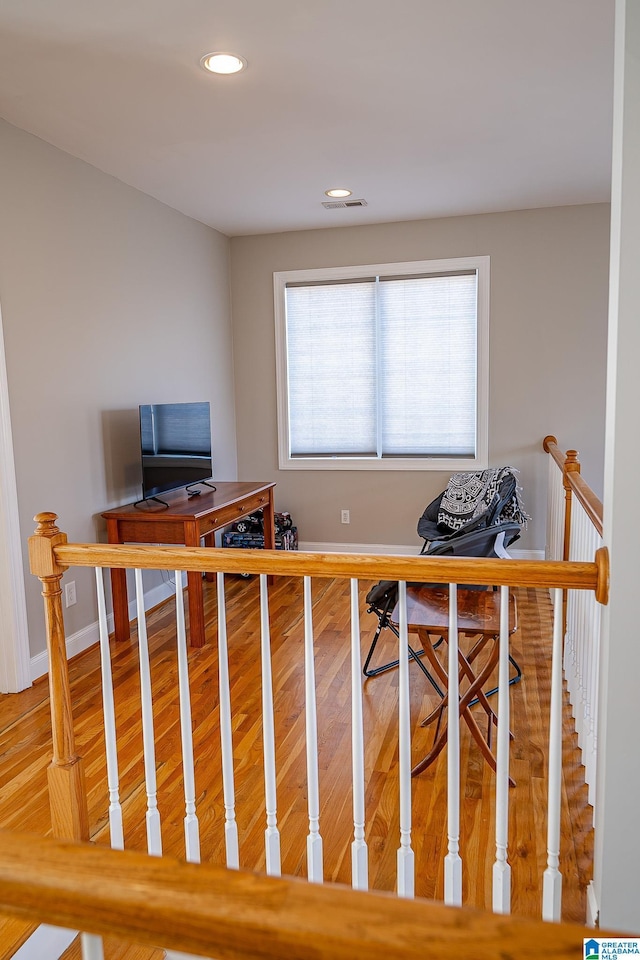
(175, 442)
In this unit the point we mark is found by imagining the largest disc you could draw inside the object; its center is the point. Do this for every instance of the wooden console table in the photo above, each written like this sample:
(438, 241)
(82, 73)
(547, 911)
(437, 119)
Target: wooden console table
(186, 520)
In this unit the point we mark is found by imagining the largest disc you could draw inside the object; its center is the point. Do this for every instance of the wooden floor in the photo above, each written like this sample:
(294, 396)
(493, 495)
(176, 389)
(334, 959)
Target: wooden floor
(25, 752)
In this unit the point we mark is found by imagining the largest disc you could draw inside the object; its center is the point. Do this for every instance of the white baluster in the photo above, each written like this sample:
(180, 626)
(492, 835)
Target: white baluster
(555, 512)
(191, 828)
(91, 946)
(453, 862)
(552, 880)
(572, 631)
(314, 839)
(592, 618)
(406, 871)
(359, 852)
(551, 510)
(272, 834)
(587, 604)
(116, 832)
(226, 735)
(580, 518)
(501, 867)
(582, 647)
(593, 743)
(154, 839)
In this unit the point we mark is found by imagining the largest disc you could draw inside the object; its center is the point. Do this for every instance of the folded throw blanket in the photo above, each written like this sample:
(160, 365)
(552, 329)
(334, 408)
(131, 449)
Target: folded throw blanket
(468, 495)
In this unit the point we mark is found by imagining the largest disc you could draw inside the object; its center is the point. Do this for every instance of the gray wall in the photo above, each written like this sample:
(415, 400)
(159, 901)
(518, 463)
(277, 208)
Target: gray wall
(549, 282)
(109, 299)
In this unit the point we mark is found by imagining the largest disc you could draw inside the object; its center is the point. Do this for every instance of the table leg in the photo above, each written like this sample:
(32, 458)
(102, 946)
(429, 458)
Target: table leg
(122, 629)
(268, 523)
(209, 540)
(268, 527)
(196, 609)
(195, 594)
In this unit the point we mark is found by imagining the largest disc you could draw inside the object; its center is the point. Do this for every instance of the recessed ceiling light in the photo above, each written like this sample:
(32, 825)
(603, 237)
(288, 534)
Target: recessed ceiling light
(223, 63)
(338, 192)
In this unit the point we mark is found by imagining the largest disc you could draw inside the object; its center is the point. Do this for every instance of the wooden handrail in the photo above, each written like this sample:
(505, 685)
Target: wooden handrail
(523, 573)
(232, 915)
(590, 503)
(50, 555)
(550, 445)
(573, 481)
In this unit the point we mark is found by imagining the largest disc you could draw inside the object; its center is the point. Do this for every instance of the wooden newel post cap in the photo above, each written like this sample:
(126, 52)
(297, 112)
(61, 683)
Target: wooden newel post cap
(46, 537)
(571, 465)
(46, 522)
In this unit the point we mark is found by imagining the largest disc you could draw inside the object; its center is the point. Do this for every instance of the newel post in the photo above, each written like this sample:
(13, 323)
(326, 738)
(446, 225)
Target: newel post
(67, 794)
(571, 465)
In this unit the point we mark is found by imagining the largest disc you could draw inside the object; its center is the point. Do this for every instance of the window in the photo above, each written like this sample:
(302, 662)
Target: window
(383, 366)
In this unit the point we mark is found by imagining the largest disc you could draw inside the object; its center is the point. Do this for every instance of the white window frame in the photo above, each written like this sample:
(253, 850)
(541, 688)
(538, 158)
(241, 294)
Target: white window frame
(410, 268)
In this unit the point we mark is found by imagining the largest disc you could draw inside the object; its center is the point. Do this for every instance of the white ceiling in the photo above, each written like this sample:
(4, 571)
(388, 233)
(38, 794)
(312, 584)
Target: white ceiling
(425, 108)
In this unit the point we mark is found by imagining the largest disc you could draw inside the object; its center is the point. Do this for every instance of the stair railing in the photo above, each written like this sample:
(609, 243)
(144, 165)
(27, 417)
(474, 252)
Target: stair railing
(211, 911)
(51, 555)
(574, 532)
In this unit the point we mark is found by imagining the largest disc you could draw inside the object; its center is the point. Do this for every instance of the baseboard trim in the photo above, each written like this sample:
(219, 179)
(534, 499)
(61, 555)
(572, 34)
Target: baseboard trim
(83, 639)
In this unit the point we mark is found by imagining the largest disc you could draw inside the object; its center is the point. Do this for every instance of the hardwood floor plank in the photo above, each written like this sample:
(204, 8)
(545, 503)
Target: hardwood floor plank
(115, 950)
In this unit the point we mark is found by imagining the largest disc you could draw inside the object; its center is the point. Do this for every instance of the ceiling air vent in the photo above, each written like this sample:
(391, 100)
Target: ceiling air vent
(338, 204)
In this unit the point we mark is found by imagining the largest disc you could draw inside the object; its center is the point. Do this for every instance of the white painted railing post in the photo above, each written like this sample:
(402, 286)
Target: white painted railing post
(314, 839)
(452, 861)
(91, 946)
(154, 839)
(226, 735)
(583, 612)
(582, 647)
(116, 832)
(501, 867)
(359, 852)
(406, 869)
(552, 880)
(272, 834)
(191, 827)
(555, 512)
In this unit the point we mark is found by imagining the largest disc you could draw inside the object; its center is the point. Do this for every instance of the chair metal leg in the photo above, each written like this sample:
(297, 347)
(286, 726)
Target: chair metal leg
(384, 622)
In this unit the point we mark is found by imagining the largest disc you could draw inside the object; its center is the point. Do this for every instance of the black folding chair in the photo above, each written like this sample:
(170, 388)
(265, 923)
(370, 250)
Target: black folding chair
(488, 534)
(382, 599)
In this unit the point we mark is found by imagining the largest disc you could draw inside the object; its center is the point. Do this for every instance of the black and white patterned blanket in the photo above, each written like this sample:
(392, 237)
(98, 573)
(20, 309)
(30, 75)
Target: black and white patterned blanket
(468, 495)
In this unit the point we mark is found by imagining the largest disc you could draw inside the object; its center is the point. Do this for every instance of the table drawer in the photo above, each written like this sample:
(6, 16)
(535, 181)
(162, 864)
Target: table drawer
(233, 512)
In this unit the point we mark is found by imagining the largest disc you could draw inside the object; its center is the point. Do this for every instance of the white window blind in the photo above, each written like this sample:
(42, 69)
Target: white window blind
(331, 338)
(384, 366)
(428, 371)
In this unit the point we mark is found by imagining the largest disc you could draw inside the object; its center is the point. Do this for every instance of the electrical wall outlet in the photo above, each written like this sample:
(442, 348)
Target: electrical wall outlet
(344, 516)
(70, 593)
